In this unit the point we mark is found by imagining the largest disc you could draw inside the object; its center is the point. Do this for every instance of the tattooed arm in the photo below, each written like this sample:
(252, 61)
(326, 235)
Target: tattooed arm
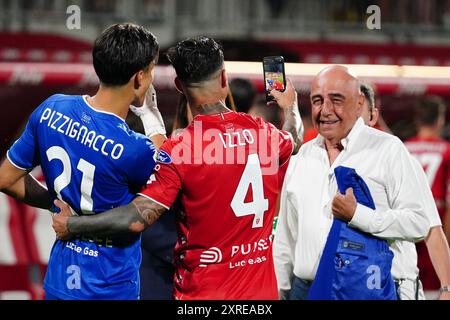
(133, 217)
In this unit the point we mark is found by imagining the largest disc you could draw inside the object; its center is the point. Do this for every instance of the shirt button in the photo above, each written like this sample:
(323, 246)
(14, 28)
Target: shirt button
(347, 262)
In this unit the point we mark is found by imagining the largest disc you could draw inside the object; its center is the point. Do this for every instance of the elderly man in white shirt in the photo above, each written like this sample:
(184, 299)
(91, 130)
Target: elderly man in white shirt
(310, 198)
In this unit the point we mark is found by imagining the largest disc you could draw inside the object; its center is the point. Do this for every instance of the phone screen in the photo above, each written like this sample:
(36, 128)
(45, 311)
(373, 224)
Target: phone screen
(274, 76)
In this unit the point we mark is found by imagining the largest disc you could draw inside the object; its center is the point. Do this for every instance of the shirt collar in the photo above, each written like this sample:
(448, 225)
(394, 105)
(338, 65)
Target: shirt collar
(348, 140)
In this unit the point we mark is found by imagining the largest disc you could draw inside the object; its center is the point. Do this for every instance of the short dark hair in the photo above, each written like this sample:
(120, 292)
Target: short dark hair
(429, 110)
(121, 51)
(369, 94)
(244, 94)
(196, 59)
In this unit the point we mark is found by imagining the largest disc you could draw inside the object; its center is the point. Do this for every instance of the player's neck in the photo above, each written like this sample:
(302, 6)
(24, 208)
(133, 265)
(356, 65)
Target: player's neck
(207, 107)
(428, 132)
(115, 101)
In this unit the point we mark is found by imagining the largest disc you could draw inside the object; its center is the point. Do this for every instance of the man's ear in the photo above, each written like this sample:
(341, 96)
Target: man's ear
(138, 77)
(361, 100)
(223, 78)
(178, 85)
(374, 116)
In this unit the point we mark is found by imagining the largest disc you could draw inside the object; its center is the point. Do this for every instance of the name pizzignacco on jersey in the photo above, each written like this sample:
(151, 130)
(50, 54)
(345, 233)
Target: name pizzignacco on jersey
(75, 130)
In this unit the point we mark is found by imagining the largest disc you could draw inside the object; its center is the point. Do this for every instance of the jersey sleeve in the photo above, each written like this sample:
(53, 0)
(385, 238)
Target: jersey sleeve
(143, 163)
(165, 183)
(24, 152)
(285, 144)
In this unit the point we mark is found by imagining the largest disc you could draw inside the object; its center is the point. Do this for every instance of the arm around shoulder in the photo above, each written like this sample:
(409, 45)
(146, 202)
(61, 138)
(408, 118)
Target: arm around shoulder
(134, 217)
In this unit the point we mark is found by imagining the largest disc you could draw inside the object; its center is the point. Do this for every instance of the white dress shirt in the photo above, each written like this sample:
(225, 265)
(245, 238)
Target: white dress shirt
(305, 216)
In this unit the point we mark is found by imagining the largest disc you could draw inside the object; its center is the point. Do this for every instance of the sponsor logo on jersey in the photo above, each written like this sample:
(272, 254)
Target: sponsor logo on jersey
(242, 255)
(164, 157)
(210, 256)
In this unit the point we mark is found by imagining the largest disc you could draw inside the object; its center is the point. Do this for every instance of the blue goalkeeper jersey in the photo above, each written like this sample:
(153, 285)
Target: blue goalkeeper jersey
(94, 162)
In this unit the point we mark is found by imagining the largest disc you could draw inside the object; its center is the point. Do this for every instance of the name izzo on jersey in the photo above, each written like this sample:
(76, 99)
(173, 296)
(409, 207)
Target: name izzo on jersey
(235, 139)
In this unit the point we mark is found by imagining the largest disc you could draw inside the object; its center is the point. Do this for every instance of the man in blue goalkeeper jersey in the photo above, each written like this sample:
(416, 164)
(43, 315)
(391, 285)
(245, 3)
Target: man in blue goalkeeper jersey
(94, 162)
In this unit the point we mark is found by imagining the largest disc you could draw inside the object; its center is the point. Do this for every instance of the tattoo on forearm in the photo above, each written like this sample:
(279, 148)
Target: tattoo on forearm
(149, 212)
(294, 125)
(133, 217)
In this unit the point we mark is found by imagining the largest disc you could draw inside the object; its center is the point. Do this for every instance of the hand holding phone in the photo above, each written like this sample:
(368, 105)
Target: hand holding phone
(274, 75)
(286, 99)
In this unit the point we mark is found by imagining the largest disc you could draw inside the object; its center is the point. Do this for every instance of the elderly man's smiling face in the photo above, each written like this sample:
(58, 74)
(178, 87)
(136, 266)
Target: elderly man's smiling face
(336, 102)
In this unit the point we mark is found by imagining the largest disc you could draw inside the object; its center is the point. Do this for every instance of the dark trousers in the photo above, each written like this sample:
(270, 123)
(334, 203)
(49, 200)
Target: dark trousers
(299, 289)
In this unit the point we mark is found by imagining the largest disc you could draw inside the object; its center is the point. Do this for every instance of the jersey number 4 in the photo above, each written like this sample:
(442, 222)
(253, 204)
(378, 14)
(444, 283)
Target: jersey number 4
(63, 180)
(251, 177)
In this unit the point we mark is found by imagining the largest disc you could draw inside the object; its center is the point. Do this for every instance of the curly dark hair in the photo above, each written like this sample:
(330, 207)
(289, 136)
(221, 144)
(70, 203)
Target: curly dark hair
(196, 59)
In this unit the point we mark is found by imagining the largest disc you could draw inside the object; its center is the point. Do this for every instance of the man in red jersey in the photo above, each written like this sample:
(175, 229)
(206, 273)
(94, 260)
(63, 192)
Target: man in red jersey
(224, 167)
(433, 153)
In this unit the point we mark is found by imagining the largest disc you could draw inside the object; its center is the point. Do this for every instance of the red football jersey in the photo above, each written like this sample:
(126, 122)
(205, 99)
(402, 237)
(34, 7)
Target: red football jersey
(225, 168)
(434, 156)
